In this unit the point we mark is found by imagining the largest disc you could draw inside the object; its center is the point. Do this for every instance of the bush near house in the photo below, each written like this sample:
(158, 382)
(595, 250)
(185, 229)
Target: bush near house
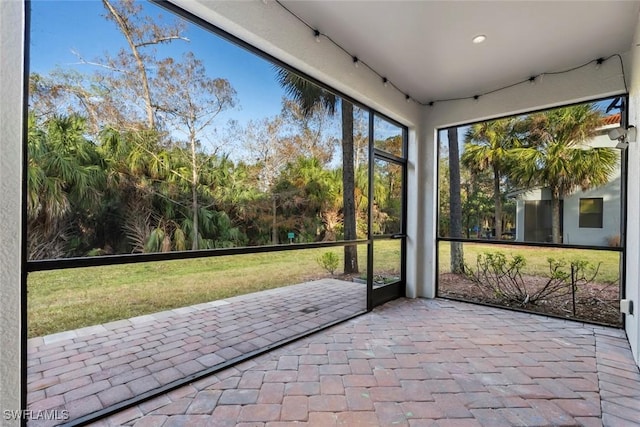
(579, 284)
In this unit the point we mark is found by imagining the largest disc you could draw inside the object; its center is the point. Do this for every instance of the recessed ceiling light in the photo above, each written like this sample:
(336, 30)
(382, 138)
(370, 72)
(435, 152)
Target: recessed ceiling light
(479, 38)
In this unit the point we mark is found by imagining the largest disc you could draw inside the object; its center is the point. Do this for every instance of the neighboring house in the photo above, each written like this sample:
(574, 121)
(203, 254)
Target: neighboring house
(589, 217)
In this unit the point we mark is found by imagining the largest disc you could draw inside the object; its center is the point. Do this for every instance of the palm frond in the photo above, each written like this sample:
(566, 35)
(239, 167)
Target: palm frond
(305, 93)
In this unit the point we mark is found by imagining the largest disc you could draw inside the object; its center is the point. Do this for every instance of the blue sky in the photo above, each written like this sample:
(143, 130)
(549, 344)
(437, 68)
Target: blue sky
(60, 27)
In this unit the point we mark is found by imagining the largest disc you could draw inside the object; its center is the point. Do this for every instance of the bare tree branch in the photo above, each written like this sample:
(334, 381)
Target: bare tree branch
(162, 40)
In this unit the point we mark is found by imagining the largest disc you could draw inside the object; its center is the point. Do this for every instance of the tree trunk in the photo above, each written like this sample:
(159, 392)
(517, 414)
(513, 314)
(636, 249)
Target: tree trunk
(194, 192)
(194, 208)
(478, 220)
(455, 202)
(348, 191)
(555, 216)
(497, 200)
(274, 228)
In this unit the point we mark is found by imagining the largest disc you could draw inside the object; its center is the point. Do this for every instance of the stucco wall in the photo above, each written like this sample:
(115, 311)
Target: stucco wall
(633, 203)
(573, 234)
(11, 74)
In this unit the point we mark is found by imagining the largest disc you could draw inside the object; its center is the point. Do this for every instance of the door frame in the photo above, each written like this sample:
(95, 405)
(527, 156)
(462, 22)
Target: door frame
(397, 289)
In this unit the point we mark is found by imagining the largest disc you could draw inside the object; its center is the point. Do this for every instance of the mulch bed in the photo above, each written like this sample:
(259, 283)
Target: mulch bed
(596, 302)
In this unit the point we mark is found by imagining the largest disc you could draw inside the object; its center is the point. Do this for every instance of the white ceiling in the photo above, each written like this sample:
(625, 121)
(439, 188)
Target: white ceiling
(425, 48)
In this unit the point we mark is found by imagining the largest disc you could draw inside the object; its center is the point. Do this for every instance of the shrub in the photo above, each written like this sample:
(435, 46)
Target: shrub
(329, 261)
(499, 277)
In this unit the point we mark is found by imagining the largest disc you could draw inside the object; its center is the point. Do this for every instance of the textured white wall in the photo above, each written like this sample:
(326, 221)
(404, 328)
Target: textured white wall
(611, 194)
(611, 203)
(11, 76)
(633, 204)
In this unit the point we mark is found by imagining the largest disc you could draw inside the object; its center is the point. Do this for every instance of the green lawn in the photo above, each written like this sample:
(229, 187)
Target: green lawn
(73, 298)
(62, 300)
(536, 258)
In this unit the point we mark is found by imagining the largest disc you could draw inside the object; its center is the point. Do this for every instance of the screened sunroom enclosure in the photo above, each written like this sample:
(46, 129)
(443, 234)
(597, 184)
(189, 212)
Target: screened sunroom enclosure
(169, 233)
(531, 217)
(402, 94)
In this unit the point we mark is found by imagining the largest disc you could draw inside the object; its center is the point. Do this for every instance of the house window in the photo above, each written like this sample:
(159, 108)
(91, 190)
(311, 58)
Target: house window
(591, 213)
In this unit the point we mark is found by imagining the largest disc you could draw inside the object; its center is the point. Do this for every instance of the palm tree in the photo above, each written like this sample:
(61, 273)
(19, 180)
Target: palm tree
(309, 96)
(65, 177)
(557, 158)
(155, 194)
(317, 191)
(455, 212)
(142, 189)
(488, 146)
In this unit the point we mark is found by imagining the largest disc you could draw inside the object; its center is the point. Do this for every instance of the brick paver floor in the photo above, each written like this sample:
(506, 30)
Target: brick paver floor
(89, 369)
(419, 363)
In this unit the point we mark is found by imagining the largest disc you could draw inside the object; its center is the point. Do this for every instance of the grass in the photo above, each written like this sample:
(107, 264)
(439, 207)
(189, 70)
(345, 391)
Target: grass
(536, 258)
(62, 300)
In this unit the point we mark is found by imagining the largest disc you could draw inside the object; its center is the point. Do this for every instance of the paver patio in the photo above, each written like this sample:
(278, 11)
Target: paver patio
(89, 369)
(419, 363)
(409, 362)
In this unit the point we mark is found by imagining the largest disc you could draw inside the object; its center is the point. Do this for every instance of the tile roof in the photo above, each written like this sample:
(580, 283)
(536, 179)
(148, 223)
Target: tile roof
(611, 120)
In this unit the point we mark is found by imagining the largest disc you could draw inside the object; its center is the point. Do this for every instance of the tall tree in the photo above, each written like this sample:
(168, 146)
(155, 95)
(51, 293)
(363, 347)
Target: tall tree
(262, 143)
(443, 194)
(361, 137)
(487, 147)
(308, 95)
(147, 195)
(305, 133)
(477, 203)
(152, 185)
(276, 141)
(190, 101)
(348, 193)
(178, 96)
(455, 213)
(119, 92)
(140, 32)
(557, 156)
(68, 92)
